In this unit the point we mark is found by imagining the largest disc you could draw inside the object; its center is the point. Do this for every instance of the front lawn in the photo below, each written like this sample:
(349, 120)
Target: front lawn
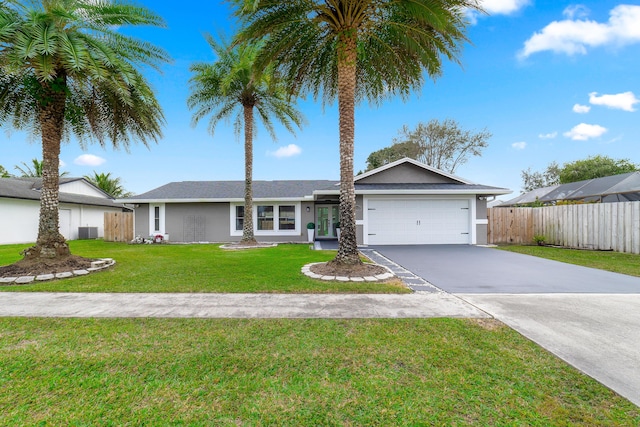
(230, 372)
(196, 268)
(605, 260)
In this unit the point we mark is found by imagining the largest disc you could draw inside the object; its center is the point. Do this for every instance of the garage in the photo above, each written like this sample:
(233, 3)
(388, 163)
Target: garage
(418, 221)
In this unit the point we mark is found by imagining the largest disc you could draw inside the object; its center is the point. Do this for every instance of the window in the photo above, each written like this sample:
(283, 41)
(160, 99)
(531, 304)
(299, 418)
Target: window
(239, 218)
(287, 219)
(156, 218)
(265, 218)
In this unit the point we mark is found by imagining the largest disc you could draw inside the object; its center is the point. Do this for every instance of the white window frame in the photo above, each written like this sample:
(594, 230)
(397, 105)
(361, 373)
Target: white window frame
(152, 219)
(276, 219)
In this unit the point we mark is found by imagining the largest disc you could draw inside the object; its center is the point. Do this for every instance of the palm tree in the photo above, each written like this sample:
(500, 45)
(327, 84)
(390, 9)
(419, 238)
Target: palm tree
(33, 171)
(233, 87)
(111, 186)
(68, 71)
(355, 50)
(4, 173)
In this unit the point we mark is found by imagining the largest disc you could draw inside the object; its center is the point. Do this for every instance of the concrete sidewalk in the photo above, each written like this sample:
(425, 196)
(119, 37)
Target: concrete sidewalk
(417, 305)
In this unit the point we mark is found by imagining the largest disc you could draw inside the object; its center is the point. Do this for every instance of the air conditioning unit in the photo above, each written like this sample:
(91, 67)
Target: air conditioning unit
(85, 233)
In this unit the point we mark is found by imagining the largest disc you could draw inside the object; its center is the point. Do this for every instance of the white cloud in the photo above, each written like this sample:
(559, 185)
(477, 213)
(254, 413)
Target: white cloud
(573, 36)
(576, 11)
(519, 145)
(288, 151)
(621, 101)
(581, 109)
(548, 135)
(88, 160)
(62, 163)
(583, 132)
(497, 7)
(502, 7)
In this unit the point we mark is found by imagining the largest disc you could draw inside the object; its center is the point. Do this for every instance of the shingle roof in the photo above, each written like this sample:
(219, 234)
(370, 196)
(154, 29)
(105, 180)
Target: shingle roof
(232, 190)
(432, 186)
(29, 189)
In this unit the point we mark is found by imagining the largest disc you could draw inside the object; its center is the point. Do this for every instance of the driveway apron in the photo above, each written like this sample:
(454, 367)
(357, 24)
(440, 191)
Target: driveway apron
(589, 318)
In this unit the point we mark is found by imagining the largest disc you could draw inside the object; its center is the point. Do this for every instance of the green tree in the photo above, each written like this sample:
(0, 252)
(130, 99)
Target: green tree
(233, 87)
(68, 70)
(33, 171)
(111, 186)
(442, 145)
(4, 173)
(579, 170)
(535, 179)
(354, 50)
(396, 151)
(595, 167)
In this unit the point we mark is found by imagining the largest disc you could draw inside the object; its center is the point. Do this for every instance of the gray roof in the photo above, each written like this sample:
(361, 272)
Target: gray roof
(623, 187)
(432, 186)
(233, 190)
(29, 189)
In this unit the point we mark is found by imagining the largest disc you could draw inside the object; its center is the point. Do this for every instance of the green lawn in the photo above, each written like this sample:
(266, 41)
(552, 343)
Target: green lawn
(605, 260)
(196, 268)
(230, 372)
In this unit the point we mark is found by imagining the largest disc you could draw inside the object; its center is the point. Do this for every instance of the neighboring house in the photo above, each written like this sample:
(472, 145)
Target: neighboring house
(82, 204)
(609, 189)
(404, 202)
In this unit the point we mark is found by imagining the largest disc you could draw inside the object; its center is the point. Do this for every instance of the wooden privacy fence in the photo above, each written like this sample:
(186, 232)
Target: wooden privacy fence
(602, 226)
(118, 226)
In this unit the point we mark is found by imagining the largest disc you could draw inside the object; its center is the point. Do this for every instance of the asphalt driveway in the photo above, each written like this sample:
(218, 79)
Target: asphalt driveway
(589, 318)
(475, 269)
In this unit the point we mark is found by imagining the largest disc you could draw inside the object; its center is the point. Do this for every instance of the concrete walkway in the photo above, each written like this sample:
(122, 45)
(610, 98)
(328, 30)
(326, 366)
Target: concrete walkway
(418, 305)
(597, 333)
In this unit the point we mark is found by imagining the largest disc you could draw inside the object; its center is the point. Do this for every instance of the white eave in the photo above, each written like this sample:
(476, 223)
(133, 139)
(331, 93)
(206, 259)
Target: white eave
(219, 200)
(391, 192)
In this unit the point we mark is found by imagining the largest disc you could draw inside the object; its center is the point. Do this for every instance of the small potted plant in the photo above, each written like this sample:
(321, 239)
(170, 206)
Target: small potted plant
(311, 231)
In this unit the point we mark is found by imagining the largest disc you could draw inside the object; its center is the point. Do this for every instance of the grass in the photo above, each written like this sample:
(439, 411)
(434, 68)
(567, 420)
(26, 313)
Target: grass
(605, 260)
(230, 372)
(197, 268)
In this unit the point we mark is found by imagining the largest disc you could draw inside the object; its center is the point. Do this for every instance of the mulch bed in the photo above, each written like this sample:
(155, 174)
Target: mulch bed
(359, 270)
(36, 267)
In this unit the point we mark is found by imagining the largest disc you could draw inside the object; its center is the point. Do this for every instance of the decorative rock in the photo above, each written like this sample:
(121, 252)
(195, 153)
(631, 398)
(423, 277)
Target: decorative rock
(314, 275)
(80, 272)
(96, 264)
(370, 279)
(7, 279)
(25, 279)
(342, 279)
(64, 275)
(357, 279)
(45, 277)
(328, 277)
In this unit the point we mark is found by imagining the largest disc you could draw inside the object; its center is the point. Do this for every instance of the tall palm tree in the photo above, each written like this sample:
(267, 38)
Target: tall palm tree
(4, 173)
(233, 87)
(111, 186)
(68, 71)
(355, 50)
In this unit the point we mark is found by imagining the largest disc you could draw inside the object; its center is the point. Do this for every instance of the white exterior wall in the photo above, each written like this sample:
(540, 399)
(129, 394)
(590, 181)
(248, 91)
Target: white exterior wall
(81, 187)
(19, 220)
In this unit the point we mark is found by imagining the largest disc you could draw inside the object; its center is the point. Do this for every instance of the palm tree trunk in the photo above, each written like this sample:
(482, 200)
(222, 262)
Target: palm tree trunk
(50, 243)
(247, 228)
(347, 245)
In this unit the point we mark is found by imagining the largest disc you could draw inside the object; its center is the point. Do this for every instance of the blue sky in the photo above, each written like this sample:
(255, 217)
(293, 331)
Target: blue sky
(551, 80)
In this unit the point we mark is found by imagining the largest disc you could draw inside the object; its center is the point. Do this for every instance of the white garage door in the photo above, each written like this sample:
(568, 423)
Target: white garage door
(418, 221)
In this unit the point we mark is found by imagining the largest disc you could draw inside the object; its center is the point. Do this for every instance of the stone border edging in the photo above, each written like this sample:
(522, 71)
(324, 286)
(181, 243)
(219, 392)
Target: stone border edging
(100, 264)
(231, 246)
(306, 270)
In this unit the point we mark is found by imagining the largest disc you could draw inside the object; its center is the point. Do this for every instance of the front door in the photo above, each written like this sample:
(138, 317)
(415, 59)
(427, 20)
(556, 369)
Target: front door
(327, 221)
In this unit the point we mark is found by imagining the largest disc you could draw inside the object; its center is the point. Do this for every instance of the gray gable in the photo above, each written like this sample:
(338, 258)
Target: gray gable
(406, 173)
(29, 189)
(233, 190)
